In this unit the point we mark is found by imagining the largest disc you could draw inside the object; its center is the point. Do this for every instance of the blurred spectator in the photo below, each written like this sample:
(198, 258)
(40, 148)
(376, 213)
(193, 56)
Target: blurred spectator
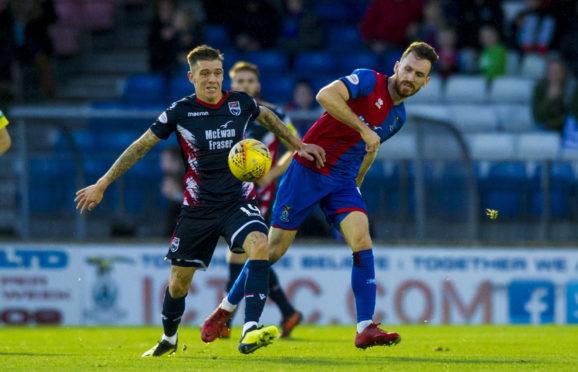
(29, 20)
(492, 61)
(472, 15)
(448, 63)
(255, 26)
(162, 39)
(189, 33)
(569, 45)
(300, 30)
(390, 23)
(172, 188)
(303, 96)
(433, 21)
(553, 100)
(533, 28)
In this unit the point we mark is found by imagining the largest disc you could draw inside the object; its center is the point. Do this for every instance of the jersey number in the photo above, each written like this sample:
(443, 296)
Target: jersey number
(253, 210)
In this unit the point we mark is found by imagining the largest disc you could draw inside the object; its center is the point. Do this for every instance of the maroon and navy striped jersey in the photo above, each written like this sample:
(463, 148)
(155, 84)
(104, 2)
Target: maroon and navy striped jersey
(345, 150)
(206, 133)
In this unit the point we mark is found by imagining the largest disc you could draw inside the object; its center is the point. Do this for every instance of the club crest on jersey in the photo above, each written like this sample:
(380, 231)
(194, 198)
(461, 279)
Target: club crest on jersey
(163, 118)
(175, 244)
(235, 108)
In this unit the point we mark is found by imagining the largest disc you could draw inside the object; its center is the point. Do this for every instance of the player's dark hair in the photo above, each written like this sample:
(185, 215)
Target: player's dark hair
(422, 51)
(243, 66)
(203, 53)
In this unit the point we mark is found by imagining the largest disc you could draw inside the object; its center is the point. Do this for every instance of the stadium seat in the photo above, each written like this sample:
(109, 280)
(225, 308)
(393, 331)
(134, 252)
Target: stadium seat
(468, 61)
(320, 81)
(509, 89)
(310, 64)
(505, 188)
(52, 189)
(402, 146)
(533, 66)
(389, 59)
(539, 146)
(432, 93)
(270, 62)
(145, 89)
(466, 89)
(561, 181)
(496, 146)
(512, 63)
(331, 13)
(473, 118)
(345, 63)
(344, 38)
(179, 87)
(447, 191)
(277, 90)
(217, 36)
(514, 118)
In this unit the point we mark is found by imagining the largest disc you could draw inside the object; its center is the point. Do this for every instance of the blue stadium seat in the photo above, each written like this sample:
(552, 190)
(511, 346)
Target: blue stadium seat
(389, 59)
(217, 36)
(505, 188)
(344, 38)
(179, 87)
(271, 63)
(277, 90)
(52, 184)
(310, 64)
(345, 63)
(447, 191)
(145, 89)
(115, 142)
(332, 13)
(320, 81)
(561, 181)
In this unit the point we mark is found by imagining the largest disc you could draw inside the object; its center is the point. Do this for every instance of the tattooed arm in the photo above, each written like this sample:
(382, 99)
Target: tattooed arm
(311, 152)
(91, 196)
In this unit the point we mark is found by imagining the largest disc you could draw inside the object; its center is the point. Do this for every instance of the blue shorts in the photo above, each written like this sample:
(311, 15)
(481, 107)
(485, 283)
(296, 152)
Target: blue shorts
(301, 189)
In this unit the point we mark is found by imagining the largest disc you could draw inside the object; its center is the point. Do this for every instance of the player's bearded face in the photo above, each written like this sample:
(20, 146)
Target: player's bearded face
(410, 75)
(207, 77)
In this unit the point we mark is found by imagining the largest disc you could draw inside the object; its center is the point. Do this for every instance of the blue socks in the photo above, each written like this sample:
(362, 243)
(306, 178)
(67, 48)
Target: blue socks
(256, 288)
(363, 284)
(173, 309)
(237, 291)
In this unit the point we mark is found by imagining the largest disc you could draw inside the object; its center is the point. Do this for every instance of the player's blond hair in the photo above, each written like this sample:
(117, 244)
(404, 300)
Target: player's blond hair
(422, 50)
(243, 66)
(203, 53)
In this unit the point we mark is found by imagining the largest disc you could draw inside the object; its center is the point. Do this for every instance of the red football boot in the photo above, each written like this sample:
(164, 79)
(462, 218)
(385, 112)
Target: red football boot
(214, 324)
(374, 336)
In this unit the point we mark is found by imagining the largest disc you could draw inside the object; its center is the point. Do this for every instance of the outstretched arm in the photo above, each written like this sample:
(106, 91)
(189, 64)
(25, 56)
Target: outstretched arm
(311, 152)
(91, 196)
(367, 161)
(333, 98)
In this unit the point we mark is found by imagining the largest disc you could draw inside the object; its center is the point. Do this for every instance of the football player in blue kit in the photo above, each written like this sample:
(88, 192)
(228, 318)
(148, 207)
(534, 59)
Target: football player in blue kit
(363, 110)
(207, 124)
(245, 78)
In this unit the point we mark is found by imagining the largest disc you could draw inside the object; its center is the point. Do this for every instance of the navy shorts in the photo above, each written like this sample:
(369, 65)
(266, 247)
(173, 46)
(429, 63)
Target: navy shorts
(301, 189)
(198, 230)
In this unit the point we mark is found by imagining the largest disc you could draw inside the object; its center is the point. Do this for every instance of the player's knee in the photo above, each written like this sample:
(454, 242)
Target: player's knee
(361, 244)
(256, 246)
(178, 288)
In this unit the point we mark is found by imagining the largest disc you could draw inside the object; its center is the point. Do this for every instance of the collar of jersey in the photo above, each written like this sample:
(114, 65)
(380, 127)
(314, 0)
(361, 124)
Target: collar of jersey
(216, 105)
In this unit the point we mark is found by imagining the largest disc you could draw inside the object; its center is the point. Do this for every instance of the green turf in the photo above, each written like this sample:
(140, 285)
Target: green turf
(312, 348)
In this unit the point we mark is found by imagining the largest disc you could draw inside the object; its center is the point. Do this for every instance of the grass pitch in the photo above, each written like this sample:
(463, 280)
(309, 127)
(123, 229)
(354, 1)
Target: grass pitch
(311, 348)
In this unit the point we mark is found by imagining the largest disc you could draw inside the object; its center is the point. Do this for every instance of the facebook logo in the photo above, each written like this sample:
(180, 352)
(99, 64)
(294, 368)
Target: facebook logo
(531, 302)
(572, 303)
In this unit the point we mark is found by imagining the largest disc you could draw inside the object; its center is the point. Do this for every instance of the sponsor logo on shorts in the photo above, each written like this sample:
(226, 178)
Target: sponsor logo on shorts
(175, 244)
(285, 214)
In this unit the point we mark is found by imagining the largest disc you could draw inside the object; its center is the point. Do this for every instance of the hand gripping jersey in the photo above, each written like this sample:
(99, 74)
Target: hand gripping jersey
(345, 150)
(256, 131)
(206, 133)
